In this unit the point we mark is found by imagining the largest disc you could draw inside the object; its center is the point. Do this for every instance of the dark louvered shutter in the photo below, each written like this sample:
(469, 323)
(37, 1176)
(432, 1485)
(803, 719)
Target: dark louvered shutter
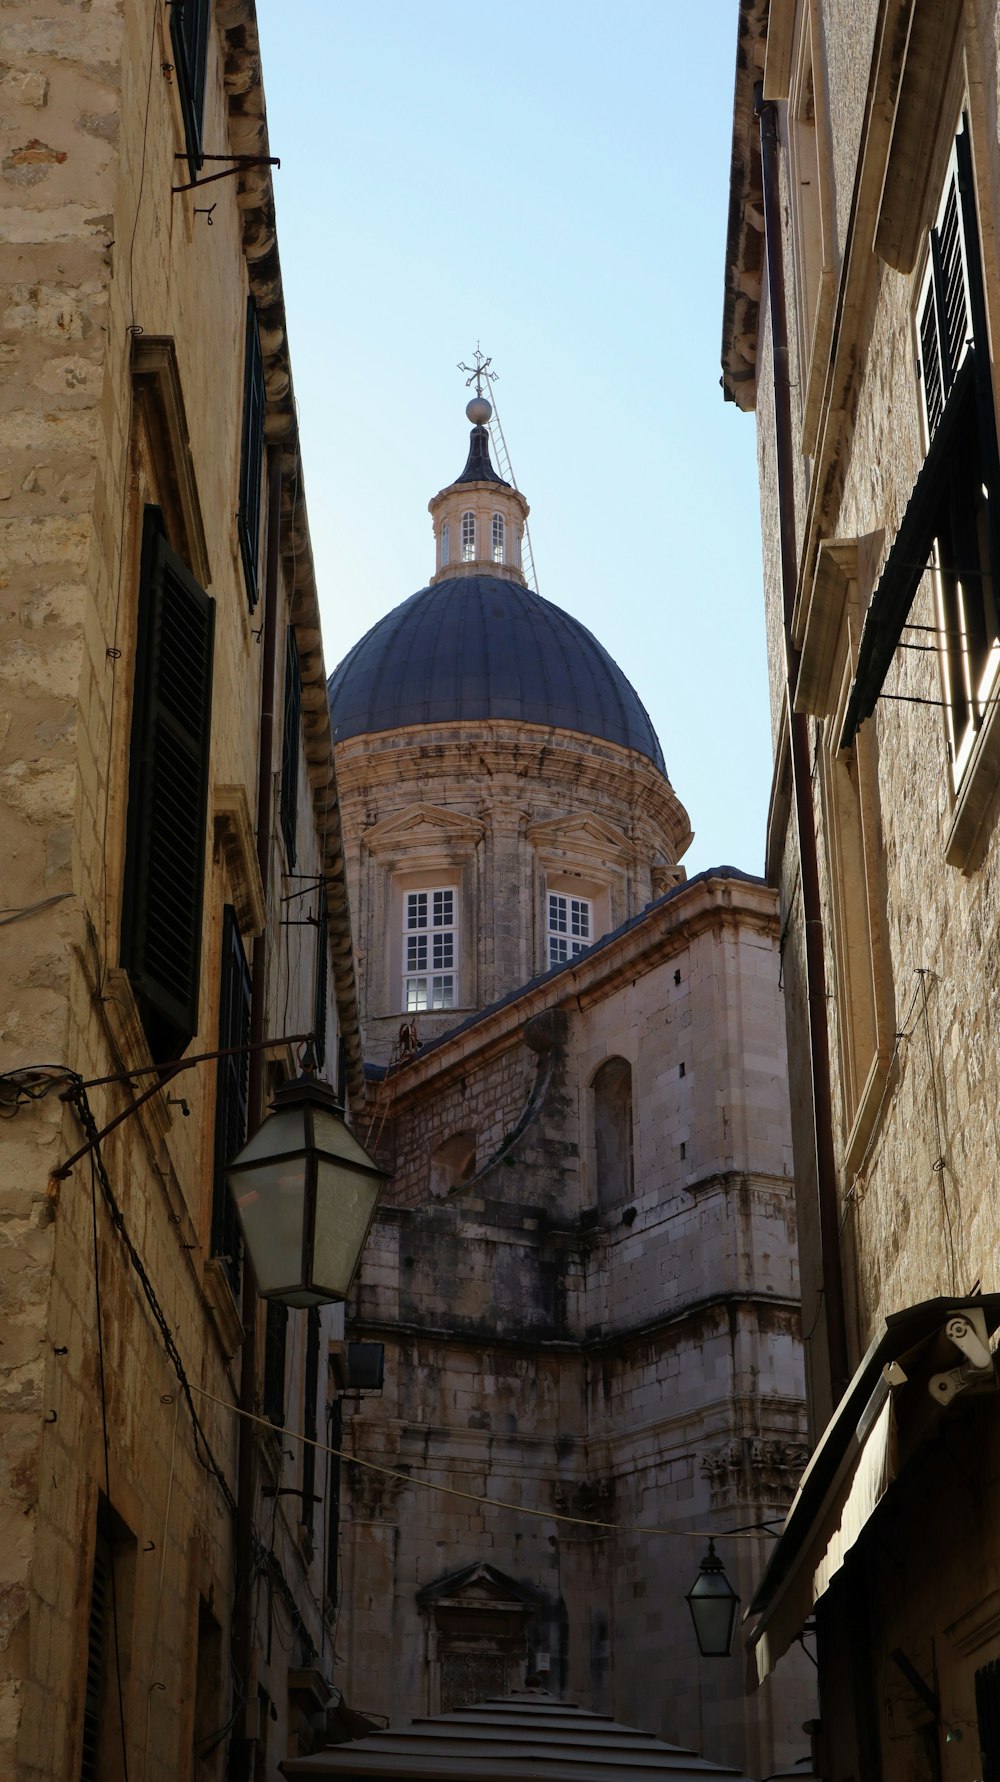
(252, 456)
(189, 22)
(309, 1428)
(275, 1333)
(168, 794)
(988, 1718)
(945, 322)
(100, 1609)
(322, 946)
(336, 1427)
(232, 1092)
(291, 732)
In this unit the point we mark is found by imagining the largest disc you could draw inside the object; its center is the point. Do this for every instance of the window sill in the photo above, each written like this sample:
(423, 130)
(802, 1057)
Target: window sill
(975, 797)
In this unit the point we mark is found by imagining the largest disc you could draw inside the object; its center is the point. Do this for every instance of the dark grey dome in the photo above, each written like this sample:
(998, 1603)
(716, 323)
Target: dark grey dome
(479, 647)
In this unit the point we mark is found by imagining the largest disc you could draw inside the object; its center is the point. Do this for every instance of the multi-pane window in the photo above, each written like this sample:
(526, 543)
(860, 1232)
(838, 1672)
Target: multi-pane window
(468, 537)
(948, 336)
(570, 926)
(497, 538)
(445, 544)
(167, 794)
(950, 523)
(517, 547)
(430, 949)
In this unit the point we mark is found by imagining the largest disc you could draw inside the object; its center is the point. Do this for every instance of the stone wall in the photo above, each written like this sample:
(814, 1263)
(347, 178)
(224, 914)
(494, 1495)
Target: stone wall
(114, 288)
(632, 1362)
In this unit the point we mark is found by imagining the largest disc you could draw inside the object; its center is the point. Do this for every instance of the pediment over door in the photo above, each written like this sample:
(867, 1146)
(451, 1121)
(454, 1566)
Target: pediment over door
(484, 1623)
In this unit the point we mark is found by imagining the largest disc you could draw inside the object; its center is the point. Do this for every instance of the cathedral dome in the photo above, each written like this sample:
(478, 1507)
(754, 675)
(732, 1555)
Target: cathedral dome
(473, 647)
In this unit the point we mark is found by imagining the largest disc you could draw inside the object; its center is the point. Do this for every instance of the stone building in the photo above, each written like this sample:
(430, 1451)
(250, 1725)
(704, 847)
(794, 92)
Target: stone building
(173, 884)
(584, 1274)
(861, 310)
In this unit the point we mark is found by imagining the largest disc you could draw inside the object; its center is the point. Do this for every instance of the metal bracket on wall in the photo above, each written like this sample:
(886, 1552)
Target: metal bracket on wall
(238, 162)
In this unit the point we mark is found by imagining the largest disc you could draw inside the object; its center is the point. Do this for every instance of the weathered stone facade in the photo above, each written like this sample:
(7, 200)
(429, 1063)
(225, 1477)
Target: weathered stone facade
(887, 592)
(123, 334)
(584, 1276)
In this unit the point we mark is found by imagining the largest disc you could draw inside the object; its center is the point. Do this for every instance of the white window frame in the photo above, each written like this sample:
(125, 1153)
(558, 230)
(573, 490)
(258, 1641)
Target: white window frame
(569, 926)
(497, 538)
(430, 972)
(468, 536)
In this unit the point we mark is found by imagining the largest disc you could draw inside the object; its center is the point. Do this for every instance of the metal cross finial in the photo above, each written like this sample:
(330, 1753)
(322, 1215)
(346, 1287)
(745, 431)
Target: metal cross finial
(479, 371)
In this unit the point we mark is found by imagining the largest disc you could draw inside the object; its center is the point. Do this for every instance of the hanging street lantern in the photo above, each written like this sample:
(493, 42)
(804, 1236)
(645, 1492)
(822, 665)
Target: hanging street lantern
(714, 1606)
(306, 1192)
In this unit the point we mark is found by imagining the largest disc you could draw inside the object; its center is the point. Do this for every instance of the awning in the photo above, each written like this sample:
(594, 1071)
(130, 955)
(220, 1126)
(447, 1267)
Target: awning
(883, 1416)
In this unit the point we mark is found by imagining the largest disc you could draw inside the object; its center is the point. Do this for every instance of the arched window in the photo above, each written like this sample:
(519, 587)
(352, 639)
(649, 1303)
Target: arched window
(445, 544)
(468, 537)
(453, 1162)
(497, 539)
(613, 1133)
(517, 548)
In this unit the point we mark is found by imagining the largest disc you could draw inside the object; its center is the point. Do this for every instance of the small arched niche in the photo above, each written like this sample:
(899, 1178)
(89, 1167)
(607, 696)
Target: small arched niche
(453, 1162)
(612, 1092)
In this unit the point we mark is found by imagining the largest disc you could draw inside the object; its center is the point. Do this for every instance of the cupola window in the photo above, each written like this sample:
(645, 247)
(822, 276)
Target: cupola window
(430, 949)
(468, 537)
(497, 539)
(570, 926)
(445, 544)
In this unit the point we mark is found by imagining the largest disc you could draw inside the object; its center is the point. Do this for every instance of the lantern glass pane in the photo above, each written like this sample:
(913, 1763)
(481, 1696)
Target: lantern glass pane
(337, 1140)
(713, 1622)
(270, 1201)
(345, 1205)
(280, 1133)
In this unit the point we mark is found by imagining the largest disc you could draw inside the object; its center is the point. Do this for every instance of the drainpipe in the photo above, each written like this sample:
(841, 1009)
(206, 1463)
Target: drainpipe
(819, 1032)
(241, 1746)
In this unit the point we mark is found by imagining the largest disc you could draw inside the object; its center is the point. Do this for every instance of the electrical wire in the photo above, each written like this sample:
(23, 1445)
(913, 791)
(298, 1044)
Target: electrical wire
(490, 1503)
(77, 1098)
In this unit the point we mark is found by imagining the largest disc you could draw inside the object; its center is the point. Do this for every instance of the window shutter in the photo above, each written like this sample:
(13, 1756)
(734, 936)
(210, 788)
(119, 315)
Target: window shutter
(322, 945)
(309, 1428)
(336, 1439)
(275, 1332)
(100, 1599)
(189, 21)
(252, 456)
(168, 794)
(945, 322)
(290, 746)
(232, 1092)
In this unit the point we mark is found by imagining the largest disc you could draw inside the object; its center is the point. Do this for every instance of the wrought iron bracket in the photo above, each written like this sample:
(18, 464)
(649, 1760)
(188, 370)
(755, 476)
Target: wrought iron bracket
(238, 163)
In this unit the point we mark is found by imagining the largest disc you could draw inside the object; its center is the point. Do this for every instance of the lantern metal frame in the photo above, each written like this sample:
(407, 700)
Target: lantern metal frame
(712, 1587)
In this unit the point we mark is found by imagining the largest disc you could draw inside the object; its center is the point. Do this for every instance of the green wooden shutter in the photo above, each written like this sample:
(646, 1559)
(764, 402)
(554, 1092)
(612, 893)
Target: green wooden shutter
(309, 1428)
(97, 1625)
(252, 456)
(231, 1093)
(291, 732)
(189, 22)
(168, 794)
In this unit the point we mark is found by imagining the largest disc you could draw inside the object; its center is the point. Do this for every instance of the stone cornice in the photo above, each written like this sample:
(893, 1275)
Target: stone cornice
(521, 752)
(745, 235)
(236, 21)
(660, 933)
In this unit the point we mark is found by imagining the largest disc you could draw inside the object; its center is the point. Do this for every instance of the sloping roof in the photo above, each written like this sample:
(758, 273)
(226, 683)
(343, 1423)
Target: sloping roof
(477, 647)
(478, 465)
(530, 1737)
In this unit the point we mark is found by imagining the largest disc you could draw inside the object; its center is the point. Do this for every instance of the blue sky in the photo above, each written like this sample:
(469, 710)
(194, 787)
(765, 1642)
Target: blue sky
(551, 179)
